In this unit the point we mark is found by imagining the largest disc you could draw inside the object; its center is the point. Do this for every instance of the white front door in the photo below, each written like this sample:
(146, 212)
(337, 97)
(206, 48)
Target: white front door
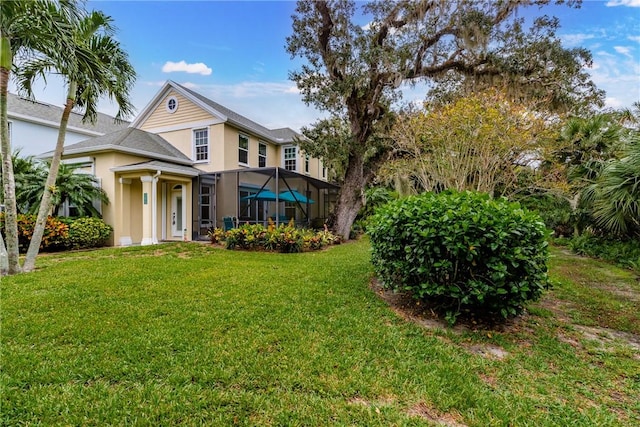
(176, 212)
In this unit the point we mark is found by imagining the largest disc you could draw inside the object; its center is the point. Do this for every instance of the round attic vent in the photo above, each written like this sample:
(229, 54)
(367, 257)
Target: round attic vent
(172, 104)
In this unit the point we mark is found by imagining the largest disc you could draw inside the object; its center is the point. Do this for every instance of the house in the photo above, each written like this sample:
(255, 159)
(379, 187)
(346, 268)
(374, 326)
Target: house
(188, 162)
(33, 125)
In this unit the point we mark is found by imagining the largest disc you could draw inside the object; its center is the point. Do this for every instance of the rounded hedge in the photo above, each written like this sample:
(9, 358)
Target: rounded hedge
(88, 233)
(461, 251)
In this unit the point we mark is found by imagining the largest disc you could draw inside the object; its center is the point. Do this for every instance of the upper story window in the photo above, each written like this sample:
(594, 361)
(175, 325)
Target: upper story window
(306, 163)
(243, 149)
(172, 104)
(201, 144)
(291, 158)
(262, 155)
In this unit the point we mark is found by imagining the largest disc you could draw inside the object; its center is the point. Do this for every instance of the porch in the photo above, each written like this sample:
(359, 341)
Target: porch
(255, 195)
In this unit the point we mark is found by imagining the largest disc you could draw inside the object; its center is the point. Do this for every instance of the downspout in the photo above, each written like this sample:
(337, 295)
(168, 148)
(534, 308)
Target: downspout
(154, 207)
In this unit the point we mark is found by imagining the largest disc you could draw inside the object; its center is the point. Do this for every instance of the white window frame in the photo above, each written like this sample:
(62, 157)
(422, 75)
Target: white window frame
(286, 158)
(196, 145)
(168, 103)
(246, 150)
(262, 158)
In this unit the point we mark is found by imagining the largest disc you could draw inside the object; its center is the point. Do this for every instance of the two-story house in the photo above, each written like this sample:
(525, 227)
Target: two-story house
(187, 162)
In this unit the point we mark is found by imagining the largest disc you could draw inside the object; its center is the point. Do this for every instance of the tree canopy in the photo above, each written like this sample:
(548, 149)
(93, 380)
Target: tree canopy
(353, 70)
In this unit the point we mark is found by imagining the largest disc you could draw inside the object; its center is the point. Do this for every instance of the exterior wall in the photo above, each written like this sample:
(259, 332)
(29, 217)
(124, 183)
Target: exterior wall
(33, 139)
(187, 112)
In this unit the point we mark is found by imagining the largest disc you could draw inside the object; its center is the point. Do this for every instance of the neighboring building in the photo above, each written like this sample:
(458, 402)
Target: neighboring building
(33, 126)
(187, 162)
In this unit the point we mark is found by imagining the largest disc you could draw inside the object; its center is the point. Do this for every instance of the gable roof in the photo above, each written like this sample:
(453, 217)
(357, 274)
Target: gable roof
(132, 141)
(19, 108)
(276, 136)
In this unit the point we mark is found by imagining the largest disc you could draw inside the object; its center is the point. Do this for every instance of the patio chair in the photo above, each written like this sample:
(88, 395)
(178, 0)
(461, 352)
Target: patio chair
(228, 223)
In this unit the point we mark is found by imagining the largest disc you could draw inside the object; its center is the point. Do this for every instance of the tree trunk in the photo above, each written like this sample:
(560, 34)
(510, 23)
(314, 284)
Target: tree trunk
(45, 203)
(8, 180)
(350, 200)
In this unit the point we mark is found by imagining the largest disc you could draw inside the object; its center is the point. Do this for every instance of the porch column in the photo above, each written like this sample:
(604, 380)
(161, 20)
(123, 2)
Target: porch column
(125, 212)
(154, 208)
(147, 232)
(185, 222)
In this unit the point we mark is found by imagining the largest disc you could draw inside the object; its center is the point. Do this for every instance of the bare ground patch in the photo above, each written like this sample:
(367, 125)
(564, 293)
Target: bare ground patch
(429, 413)
(411, 310)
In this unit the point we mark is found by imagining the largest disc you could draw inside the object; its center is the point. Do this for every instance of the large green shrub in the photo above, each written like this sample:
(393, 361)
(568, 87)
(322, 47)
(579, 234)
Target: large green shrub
(88, 233)
(461, 251)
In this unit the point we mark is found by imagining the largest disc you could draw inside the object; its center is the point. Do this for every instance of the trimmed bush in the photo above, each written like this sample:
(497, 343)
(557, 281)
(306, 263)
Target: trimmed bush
(461, 251)
(88, 233)
(56, 232)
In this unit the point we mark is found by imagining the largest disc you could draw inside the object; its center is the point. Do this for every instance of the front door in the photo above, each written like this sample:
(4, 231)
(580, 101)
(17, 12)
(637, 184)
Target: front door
(176, 212)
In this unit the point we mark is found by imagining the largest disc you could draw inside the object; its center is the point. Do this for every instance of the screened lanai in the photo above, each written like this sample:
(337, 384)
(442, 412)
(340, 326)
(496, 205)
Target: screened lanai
(255, 195)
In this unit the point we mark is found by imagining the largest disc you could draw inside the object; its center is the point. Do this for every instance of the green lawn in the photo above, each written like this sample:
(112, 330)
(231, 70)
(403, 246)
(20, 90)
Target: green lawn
(188, 334)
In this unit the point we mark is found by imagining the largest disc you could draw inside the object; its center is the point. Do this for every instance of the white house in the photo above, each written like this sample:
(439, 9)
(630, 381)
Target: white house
(33, 126)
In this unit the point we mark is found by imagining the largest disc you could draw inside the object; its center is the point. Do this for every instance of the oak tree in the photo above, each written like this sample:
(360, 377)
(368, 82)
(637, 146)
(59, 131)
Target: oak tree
(353, 70)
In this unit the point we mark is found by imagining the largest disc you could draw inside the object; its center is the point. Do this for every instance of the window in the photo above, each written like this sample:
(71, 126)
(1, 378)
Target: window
(243, 149)
(262, 155)
(290, 158)
(324, 172)
(172, 104)
(306, 163)
(201, 144)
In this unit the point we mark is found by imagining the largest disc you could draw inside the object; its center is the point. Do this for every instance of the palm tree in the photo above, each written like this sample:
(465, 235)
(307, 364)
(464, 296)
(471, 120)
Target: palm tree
(100, 67)
(28, 173)
(79, 190)
(616, 204)
(27, 28)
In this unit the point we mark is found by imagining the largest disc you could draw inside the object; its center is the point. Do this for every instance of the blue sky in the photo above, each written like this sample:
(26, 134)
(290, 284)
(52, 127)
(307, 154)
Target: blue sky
(233, 52)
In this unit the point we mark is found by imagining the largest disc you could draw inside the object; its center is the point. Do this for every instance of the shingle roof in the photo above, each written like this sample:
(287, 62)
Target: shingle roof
(50, 113)
(282, 135)
(285, 134)
(130, 140)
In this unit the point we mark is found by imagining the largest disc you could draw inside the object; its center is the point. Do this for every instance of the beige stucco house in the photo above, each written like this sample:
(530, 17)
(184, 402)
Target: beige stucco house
(187, 162)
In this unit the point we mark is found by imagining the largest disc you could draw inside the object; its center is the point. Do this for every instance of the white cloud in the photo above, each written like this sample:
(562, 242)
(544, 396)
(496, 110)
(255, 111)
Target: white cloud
(623, 50)
(634, 38)
(629, 3)
(612, 102)
(155, 83)
(182, 66)
(190, 85)
(578, 39)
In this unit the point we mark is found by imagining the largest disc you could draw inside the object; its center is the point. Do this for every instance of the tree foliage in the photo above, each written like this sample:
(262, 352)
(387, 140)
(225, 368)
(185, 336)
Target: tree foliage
(28, 29)
(80, 190)
(99, 67)
(481, 143)
(353, 70)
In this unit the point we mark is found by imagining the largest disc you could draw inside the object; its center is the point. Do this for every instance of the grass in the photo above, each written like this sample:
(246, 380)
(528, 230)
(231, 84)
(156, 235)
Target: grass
(188, 334)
